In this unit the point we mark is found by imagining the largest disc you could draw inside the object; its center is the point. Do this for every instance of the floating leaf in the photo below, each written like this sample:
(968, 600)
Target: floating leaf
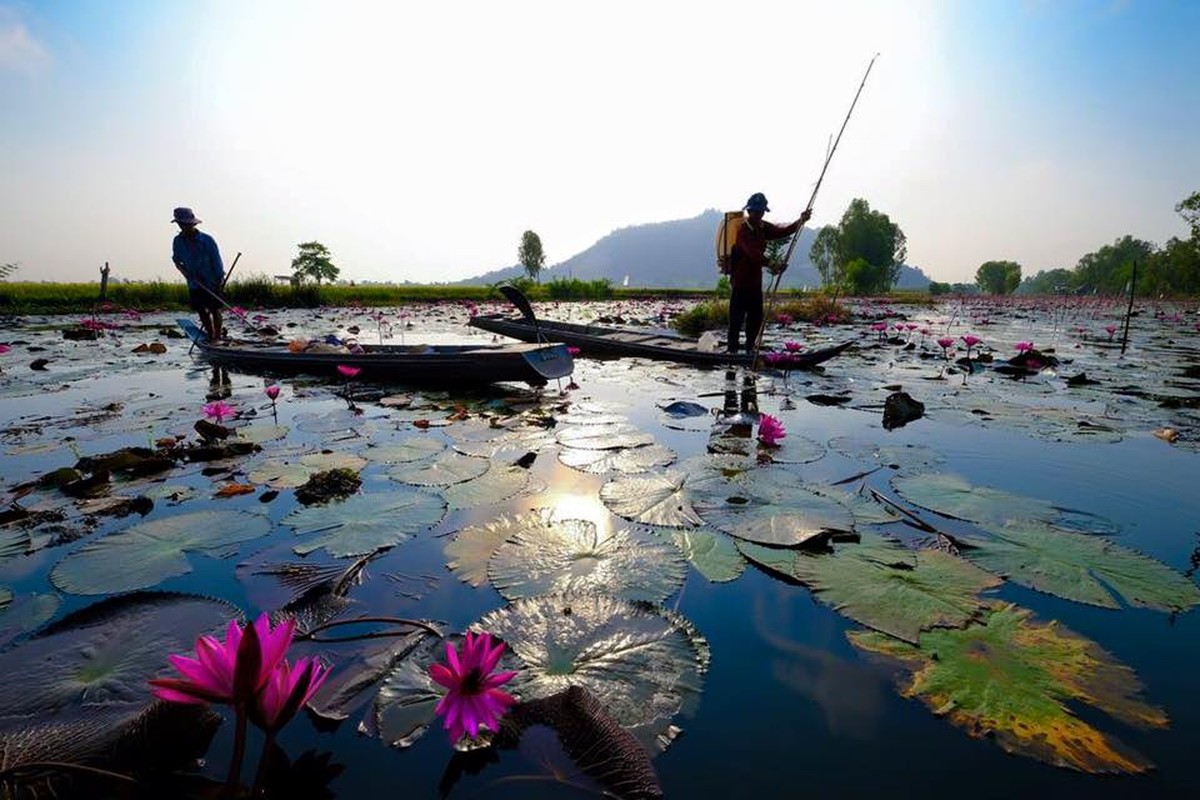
(351, 684)
(643, 663)
(444, 469)
(910, 457)
(323, 462)
(496, 485)
(768, 506)
(654, 500)
(573, 556)
(780, 560)
(1086, 569)
(712, 553)
(413, 448)
(794, 449)
(630, 461)
(13, 543)
(952, 496)
(103, 655)
(471, 548)
(603, 437)
(366, 522)
(404, 706)
(260, 434)
(6, 597)
(26, 613)
(897, 591)
(866, 509)
(1010, 679)
(148, 553)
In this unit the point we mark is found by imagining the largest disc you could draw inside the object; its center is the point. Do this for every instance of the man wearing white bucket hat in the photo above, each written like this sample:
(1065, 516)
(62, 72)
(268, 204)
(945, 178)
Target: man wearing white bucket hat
(196, 255)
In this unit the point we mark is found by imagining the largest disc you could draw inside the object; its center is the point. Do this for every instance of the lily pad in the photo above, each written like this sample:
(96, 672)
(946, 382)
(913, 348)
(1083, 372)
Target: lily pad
(148, 553)
(413, 448)
(952, 496)
(260, 434)
(768, 506)
(573, 556)
(1086, 569)
(6, 597)
(366, 522)
(1011, 680)
(866, 509)
(629, 461)
(103, 655)
(897, 591)
(602, 437)
(471, 548)
(711, 552)
(404, 706)
(908, 457)
(26, 612)
(643, 663)
(653, 500)
(13, 543)
(444, 469)
(496, 485)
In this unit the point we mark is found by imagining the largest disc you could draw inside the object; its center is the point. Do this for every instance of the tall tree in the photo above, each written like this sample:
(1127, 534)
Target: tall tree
(998, 277)
(530, 254)
(314, 262)
(1108, 270)
(1189, 209)
(862, 235)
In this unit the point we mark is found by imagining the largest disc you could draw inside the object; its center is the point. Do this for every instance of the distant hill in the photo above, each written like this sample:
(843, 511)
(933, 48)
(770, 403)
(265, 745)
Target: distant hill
(673, 255)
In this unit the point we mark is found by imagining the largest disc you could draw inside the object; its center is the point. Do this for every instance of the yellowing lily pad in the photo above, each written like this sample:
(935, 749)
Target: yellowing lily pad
(1086, 569)
(145, 554)
(1010, 679)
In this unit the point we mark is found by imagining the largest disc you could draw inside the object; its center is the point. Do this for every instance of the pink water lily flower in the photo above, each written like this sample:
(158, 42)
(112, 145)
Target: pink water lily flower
(230, 672)
(1111, 330)
(770, 430)
(348, 372)
(970, 340)
(219, 410)
(4, 348)
(1024, 347)
(793, 347)
(573, 350)
(287, 690)
(473, 699)
(272, 391)
(945, 342)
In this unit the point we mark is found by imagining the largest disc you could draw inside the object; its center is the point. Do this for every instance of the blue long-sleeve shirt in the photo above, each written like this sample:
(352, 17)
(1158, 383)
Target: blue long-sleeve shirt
(200, 260)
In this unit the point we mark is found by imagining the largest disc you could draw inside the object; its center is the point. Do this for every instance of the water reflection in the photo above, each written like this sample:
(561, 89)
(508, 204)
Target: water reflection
(849, 693)
(219, 385)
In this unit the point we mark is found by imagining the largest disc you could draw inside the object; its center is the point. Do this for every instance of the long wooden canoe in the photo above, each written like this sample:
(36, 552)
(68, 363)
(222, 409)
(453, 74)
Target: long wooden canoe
(418, 365)
(602, 340)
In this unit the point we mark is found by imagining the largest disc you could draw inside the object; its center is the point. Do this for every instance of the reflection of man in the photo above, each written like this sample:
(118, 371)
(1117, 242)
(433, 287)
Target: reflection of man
(746, 262)
(196, 255)
(740, 410)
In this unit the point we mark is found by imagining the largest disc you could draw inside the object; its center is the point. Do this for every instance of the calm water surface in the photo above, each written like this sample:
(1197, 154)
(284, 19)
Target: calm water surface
(789, 706)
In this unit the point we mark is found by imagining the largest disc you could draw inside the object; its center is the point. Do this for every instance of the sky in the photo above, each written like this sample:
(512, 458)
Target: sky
(417, 141)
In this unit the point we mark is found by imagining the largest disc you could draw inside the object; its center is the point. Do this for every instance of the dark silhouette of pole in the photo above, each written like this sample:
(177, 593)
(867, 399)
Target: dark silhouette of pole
(1129, 308)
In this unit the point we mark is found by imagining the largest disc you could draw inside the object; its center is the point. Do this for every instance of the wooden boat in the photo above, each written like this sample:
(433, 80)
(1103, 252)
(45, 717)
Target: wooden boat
(601, 340)
(424, 365)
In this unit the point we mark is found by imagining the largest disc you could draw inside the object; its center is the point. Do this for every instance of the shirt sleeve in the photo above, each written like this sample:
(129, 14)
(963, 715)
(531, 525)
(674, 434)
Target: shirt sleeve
(217, 264)
(176, 253)
(774, 231)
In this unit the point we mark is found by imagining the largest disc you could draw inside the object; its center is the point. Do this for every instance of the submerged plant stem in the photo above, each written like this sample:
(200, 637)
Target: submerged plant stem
(312, 635)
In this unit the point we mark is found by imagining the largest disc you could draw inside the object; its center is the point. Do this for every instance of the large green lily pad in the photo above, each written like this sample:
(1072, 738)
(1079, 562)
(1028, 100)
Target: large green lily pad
(13, 543)
(897, 591)
(602, 437)
(1011, 680)
(366, 522)
(952, 496)
(145, 554)
(412, 448)
(645, 664)
(25, 613)
(1086, 569)
(711, 552)
(573, 556)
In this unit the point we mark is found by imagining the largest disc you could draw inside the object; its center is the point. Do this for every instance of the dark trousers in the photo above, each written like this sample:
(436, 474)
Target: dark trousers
(745, 307)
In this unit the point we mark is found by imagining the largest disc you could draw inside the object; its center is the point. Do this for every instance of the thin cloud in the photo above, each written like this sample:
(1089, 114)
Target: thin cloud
(19, 50)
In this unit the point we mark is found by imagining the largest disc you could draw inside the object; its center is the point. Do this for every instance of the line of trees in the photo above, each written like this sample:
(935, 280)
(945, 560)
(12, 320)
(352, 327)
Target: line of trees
(1173, 269)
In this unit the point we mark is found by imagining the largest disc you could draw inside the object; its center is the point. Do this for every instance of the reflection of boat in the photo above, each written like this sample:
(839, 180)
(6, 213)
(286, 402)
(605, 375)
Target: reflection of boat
(601, 340)
(427, 365)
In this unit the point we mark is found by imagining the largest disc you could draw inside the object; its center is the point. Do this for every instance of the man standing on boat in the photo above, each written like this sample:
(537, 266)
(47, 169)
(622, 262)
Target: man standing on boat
(746, 261)
(196, 255)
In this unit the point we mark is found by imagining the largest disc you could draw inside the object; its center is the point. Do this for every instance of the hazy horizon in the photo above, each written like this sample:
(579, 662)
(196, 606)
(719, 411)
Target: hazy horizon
(418, 143)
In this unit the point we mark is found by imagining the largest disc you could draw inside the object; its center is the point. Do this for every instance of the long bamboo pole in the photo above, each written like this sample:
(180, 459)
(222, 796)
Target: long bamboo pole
(811, 200)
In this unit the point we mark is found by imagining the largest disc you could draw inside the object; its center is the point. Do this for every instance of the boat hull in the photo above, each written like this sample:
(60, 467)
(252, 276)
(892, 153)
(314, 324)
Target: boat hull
(423, 365)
